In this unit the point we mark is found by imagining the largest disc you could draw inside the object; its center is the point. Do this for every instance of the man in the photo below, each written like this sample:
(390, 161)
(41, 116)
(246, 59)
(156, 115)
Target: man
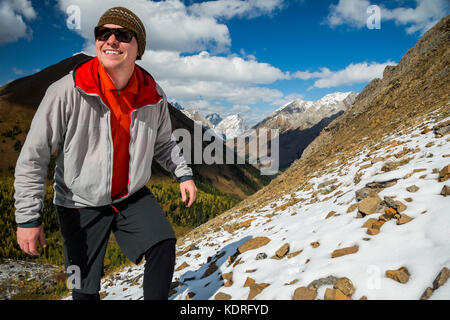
(107, 119)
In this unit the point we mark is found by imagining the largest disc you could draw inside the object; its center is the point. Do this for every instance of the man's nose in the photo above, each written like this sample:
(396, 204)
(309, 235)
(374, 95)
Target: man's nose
(112, 40)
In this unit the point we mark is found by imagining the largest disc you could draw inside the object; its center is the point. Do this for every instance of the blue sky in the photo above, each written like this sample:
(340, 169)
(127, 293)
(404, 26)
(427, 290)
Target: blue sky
(229, 56)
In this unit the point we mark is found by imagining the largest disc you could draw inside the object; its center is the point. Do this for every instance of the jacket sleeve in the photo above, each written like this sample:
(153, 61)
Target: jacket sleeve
(46, 132)
(167, 153)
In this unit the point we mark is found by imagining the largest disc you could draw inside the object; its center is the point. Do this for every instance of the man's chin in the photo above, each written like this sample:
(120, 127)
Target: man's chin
(111, 63)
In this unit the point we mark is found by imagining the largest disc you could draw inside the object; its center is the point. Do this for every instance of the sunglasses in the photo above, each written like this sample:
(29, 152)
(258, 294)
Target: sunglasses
(121, 34)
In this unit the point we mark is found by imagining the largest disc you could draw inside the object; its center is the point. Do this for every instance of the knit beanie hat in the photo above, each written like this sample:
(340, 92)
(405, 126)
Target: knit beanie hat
(127, 19)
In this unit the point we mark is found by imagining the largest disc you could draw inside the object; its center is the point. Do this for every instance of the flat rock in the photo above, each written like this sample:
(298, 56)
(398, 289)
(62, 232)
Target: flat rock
(253, 244)
(369, 205)
(182, 266)
(222, 296)
(335, 294)
(305, 293)
(344, 251)
(441, 278)
(382, 184)
(404, 219)
(255, 289)
(282, 251)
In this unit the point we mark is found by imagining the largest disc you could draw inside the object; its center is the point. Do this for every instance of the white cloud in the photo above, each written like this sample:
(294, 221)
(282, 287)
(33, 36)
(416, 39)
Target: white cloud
(353, 73)
(426, 14)
(419, 19)
(168, 24)
(231, 8)
(352, 12)
(206, 67)
(12, 15)
(216, 90)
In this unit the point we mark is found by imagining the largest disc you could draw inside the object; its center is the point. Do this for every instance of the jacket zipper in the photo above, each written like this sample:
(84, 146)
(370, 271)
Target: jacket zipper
(131, 142)
(110, 150)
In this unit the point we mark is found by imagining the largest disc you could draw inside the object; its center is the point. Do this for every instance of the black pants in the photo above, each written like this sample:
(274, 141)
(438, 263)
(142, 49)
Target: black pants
(159, 267)
(141, 229)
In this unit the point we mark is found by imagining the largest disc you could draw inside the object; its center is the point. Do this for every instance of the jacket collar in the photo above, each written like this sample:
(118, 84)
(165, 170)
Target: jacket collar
(86, 78)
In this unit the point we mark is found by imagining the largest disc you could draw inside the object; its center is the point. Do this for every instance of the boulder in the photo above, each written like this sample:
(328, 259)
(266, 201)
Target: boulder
(261, 256)
(182, 266)
(400, 206)
(335, 294)
(404, 219)
(382, 184)
(305, 293)
(368, 223)
(222, 296)
(344, 251)
(400, 275)
(345, 285)
(412, 188)
(282, 251)
(444, 173)
(369, 205)
(248, 282)
(255, 289)
(253, 243)
(441, 278)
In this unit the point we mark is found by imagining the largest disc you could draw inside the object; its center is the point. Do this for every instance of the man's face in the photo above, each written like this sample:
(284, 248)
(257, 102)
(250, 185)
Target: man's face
(114, 54)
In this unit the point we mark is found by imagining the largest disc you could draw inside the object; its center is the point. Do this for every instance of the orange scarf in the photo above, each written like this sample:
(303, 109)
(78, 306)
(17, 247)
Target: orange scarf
(120, 104)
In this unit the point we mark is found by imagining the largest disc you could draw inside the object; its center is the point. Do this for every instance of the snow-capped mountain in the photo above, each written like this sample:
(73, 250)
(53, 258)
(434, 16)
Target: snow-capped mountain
(304, 114)
(232, 126)
(197, 116)
(214, 118)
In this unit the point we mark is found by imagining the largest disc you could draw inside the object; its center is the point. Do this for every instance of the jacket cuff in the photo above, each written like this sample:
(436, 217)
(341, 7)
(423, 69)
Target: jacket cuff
(31, 224)
(184, 178)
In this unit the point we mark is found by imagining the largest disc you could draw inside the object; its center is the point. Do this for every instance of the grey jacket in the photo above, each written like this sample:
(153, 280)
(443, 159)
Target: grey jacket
(73, 120)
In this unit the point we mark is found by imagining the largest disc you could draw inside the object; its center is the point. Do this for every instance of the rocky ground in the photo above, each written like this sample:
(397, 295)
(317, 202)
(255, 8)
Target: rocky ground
(374, 227)
(19, 277)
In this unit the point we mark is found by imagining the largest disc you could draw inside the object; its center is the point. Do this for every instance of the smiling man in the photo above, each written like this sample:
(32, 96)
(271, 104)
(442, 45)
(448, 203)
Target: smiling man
(107, 120)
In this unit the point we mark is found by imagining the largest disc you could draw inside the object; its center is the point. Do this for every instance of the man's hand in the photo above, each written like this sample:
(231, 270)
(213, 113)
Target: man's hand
(189, 186)
(27, 238)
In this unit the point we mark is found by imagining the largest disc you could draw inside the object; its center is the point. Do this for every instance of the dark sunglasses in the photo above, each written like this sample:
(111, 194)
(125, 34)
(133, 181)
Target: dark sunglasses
(121, 34)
